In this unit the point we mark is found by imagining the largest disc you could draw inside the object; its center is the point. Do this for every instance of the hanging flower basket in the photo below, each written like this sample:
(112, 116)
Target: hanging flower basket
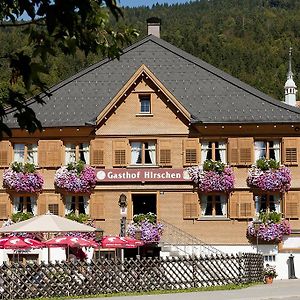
(271, 230)
(213, 176)
(268, 175)
(151, 230)
(76, 178)
(23, 178)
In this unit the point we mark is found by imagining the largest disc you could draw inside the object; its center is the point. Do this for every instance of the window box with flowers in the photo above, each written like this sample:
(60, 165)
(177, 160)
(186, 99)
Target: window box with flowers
(23, 178)
(269, 175)
(151, 230)
(213, 176)
(76, 178)
(271, 230)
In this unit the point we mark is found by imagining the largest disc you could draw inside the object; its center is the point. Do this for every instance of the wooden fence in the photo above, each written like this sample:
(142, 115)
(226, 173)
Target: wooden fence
(21, 281)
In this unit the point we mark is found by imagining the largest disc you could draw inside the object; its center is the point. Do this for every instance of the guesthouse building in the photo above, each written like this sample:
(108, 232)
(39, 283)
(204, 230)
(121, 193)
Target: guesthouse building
(146, 122)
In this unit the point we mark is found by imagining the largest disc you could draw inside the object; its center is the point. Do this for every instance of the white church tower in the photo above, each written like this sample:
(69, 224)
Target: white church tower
(290, 88)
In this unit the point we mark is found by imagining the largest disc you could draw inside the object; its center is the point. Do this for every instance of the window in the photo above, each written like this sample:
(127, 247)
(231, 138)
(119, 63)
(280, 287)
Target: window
(143, 153)
(267, 203)
(213, 150)
(75, 152)
(213, 205)
(25, 204)
(267, 149)
(145, 103)
(53, 209)
(25, 153)
(270, 258)
(77, 205)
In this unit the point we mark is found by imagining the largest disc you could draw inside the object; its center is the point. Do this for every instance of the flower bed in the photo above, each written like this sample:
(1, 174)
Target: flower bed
(151, 231)
(277, 178)
(270, 230)
(23, 178)
(212, 177)
(76, 178)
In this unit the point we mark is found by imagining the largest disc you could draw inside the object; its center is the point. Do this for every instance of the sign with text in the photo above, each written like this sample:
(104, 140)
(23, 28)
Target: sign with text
(143, 175)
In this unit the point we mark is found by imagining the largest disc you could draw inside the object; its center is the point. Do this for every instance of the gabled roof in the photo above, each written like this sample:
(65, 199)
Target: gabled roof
(209, 94)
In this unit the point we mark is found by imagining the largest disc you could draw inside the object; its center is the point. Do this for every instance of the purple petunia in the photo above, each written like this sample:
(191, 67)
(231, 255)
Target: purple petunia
(71, 181)
(212, 181)
(270, 180)
(270, 232)
(22, 181)
(151, 232)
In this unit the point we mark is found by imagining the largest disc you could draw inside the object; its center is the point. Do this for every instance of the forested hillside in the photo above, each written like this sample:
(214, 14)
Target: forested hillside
(249, 39)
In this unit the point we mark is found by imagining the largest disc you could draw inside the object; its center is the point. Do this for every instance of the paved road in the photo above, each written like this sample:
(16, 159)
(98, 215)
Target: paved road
(279, 290)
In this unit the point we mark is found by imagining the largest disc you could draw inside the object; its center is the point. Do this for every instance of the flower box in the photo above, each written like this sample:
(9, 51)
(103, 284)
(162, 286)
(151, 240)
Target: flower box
(151, 230)
(76, 178)
(270, 231)
(269, 179)
(212, 177)
(23, 178)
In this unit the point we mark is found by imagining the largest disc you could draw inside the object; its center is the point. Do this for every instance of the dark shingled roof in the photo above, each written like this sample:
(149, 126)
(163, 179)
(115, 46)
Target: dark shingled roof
(209, 94)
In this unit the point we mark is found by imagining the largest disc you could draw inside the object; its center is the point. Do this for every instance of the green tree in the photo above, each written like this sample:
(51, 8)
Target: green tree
(53, 27)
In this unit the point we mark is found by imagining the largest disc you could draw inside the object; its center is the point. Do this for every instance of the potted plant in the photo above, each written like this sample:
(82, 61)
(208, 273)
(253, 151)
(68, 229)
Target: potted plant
(23, 178)
(269, 274)
(268, 175)
(213, 176)
(76, 178)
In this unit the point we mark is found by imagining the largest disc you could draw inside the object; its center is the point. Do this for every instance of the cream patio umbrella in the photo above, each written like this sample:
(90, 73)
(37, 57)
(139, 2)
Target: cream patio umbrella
(47, 223)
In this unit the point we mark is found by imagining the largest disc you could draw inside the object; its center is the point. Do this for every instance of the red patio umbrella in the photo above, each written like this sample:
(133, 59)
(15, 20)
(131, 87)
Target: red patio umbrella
(120, 242)
(16, 242)
(70, 241)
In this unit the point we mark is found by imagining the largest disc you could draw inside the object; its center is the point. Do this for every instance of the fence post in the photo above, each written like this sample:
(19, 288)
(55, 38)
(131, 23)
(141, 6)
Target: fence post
(241, 268)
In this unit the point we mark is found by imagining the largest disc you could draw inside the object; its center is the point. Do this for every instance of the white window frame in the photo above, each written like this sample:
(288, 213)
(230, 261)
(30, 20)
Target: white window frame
(21, 203)
(139, 150)
(209, 150)
(275, 198)
(214, 198)
(26, 152)
(77, 151)
(145, 99)
(72, 204)
(262, 149)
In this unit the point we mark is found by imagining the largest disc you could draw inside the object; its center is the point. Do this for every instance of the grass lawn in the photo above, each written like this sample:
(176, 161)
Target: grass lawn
(210, 288)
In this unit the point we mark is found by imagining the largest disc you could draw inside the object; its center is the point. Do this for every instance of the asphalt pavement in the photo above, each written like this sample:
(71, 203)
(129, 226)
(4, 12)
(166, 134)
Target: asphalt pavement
(278, 290)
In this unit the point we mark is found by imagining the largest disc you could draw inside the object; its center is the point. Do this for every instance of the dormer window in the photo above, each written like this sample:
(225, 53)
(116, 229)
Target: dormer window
(145, 104)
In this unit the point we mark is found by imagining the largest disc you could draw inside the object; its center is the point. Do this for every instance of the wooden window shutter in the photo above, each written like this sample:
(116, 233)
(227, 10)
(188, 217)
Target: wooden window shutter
(97, 209)
(241, 205)
(41, 203)
(246, 205)
(4, 206)
(165, 152)
(246, 151)
(240, 151)
(49, 202)
(97, 152)
(234, 206)
(119, 150)
(50, 153)
(292, 205)
(191, 152)
(5, 153)
(190, 206)
(290, 151)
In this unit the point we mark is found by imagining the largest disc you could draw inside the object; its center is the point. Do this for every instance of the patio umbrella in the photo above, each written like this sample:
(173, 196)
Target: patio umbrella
(70, 241)
(120, 242)
(47, 223)
(15, 242)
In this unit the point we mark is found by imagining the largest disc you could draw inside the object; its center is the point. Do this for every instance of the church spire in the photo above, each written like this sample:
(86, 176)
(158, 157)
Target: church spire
(290, 73)
(290, 88)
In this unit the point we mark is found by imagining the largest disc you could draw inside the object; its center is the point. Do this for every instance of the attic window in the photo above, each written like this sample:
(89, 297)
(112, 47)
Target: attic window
(145, 107)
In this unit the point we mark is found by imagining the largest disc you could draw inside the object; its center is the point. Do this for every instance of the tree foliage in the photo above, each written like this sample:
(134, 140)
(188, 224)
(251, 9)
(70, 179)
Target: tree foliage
(53, 28)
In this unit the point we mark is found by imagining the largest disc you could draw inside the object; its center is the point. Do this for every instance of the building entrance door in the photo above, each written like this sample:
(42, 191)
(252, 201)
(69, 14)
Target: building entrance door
(144, 203)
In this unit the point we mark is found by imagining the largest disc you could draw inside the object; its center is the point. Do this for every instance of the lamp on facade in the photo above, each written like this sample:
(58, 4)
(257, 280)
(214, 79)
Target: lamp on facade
(256, 226)
(98, 234)
(138, 236)
(98, 237)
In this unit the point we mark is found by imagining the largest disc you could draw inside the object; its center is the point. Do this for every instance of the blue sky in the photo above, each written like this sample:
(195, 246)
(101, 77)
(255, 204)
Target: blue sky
(149, 3)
